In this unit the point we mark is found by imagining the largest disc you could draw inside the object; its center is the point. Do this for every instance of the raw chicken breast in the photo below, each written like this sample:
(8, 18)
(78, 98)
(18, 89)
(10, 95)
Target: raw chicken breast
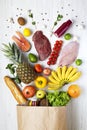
(42, 45)
(69, 54)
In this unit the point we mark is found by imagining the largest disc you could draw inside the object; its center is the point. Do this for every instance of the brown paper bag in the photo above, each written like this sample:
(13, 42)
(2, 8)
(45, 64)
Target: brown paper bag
(41, 118)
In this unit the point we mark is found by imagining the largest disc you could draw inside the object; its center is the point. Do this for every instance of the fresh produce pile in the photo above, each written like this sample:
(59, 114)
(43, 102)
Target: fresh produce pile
(29, 78)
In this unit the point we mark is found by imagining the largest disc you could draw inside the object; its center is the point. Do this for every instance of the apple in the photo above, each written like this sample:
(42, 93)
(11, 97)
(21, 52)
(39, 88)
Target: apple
(40, 94)
(47, 71)
(29, 91)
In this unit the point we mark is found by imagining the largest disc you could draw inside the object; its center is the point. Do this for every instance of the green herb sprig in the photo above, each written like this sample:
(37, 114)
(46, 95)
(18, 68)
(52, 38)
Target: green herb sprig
(32, 16)
(59, 18)
(11, 68)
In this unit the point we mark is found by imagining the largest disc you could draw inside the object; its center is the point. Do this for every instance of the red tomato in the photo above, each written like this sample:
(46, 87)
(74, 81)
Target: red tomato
(60, 41)
(57, 42)
(49, 62)
(55, 52)
(38, 68)
(51, 58)
(52, 55)
(53, 62)
(54, 59)
(29, 91)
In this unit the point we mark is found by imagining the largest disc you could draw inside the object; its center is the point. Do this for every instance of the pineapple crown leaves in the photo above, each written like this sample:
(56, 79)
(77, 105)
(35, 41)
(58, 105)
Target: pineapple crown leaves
(12, 52)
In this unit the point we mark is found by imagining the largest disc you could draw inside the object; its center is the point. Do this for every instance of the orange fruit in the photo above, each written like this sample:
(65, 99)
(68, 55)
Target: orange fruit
(74, 91)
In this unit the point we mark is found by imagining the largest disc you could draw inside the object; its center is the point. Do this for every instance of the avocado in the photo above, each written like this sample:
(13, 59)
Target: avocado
(32, 57)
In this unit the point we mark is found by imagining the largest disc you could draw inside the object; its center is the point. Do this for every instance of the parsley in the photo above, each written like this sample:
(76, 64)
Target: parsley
(12, 69)
(33, 22)
(59, 18)
(31, 16)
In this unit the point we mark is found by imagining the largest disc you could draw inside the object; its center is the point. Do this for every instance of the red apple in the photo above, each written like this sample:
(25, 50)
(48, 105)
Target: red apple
(29, 91)
(47, 71)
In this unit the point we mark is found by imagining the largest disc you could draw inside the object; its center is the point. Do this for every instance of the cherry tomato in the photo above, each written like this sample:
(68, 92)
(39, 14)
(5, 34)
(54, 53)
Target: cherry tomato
(55, 48)
(52, 55)
(61, 41)
(55, 53)
(38, 68)
(53, 62)
(51, 58)
(49, 62)
(54, 58)
(56, 42)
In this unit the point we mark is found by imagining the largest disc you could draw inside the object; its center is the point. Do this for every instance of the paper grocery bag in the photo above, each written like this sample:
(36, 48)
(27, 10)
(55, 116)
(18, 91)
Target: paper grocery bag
(41, 118)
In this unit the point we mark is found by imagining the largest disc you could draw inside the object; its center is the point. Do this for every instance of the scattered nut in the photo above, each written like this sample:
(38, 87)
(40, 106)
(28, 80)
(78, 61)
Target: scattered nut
(75, 38)
(81, 26)
(45, 26)
(21, 21)
(11, 20)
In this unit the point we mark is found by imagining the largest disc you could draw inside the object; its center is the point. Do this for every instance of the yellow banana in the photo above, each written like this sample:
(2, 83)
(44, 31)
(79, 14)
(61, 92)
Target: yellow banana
(61, 76)
(68, 71)
(53, 84)
(52, 79)
(72, 73)
(64, 68)
(75, 77)
(54, 74)
(59, 72)
(52, 88)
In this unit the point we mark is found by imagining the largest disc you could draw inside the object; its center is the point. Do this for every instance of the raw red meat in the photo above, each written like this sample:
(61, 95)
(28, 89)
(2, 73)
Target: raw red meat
(42, 45)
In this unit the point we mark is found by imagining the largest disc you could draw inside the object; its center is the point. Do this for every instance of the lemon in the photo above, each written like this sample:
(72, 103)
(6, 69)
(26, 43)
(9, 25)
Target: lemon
(27, 32)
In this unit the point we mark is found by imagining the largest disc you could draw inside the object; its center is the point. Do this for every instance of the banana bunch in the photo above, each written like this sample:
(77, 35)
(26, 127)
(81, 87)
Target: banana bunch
(61, 76)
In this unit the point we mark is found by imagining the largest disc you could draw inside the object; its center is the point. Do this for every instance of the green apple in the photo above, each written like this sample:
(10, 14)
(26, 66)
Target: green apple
(40, 94)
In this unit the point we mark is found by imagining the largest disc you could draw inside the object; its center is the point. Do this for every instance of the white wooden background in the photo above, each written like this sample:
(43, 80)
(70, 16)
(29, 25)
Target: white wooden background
(73, 9)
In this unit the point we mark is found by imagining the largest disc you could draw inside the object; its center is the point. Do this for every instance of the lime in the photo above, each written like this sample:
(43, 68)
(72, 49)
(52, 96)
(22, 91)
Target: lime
(67, 36)
(27, 32)
(78, 62)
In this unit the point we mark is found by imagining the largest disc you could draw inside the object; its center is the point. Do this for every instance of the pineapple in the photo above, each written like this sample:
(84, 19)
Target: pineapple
(24, 70)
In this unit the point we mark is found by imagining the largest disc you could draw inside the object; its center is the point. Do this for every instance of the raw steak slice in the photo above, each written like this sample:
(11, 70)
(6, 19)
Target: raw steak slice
(42, 45)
